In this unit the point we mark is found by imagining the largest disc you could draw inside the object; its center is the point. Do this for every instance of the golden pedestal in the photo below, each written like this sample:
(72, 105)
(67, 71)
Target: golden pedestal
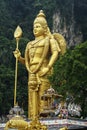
(36, 125)
(18, 123)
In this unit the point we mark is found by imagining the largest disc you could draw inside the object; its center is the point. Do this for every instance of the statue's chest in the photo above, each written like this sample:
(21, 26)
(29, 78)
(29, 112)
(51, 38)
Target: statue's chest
(36, 47)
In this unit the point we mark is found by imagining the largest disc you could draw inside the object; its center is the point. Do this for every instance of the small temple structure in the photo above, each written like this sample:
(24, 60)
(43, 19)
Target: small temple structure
(50, 95)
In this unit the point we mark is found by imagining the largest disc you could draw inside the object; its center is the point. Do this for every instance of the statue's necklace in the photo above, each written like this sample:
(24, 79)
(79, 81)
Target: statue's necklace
(36, 41)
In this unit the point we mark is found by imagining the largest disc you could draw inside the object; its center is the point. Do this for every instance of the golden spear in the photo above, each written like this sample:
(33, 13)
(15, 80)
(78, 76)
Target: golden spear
(17, 36)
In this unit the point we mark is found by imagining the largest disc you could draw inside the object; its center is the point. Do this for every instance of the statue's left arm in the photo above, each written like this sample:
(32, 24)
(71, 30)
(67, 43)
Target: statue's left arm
(54, 55)
(54, 52)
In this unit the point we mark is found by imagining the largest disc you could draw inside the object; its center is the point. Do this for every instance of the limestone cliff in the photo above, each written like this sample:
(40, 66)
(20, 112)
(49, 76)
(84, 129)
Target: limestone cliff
(71, 31)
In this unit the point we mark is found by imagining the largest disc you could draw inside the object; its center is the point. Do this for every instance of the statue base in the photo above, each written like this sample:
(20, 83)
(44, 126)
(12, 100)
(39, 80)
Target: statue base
(18, 123)
(36, 125)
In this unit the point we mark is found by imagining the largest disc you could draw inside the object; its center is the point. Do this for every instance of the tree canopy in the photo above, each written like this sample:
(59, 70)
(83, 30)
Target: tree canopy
(70, 75)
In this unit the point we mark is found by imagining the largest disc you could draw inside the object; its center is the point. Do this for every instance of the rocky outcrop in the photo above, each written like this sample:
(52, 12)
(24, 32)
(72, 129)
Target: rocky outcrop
(70, 30)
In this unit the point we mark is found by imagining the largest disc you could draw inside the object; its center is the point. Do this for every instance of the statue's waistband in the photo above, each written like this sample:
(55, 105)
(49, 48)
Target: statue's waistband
(36, 63)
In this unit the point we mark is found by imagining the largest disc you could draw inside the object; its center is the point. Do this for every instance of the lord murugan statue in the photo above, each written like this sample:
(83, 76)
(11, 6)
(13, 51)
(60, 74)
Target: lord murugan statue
(40, 55)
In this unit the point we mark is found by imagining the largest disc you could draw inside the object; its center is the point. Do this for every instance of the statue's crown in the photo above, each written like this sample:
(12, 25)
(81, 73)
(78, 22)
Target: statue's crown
(41, 14)
(40, 18)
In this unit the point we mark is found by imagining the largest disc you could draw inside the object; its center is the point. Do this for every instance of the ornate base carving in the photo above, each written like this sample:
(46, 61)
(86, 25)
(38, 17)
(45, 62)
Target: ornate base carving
(16, 110)
(18, 123)
(36, 125)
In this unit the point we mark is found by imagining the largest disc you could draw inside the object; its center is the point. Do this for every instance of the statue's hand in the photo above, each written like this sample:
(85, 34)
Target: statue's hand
(17, 53)
(44, 71)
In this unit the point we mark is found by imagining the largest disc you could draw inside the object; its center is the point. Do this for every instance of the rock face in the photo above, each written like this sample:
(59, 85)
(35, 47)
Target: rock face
(71, 31)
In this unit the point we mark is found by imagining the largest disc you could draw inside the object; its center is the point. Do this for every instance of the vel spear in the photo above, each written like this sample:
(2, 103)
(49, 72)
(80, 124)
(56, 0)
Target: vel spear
(17, 36)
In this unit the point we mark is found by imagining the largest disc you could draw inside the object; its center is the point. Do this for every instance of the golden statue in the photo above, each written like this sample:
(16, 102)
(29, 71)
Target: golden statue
(40, 55)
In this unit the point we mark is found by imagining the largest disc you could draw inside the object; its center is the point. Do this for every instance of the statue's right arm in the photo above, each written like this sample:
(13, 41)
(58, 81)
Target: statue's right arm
(22, 59)
(17, 54)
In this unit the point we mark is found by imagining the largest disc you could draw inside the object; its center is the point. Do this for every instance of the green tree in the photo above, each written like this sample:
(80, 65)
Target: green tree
(6, 89)
(70, 75)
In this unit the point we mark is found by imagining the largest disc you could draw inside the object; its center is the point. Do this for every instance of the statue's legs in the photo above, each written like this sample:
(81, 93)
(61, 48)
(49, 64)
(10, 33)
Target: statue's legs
(32, 97)
(42, 89)
(32, 104)
(35, 103)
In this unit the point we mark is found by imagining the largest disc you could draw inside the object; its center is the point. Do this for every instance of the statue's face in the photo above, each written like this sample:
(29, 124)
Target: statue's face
(38, 30)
